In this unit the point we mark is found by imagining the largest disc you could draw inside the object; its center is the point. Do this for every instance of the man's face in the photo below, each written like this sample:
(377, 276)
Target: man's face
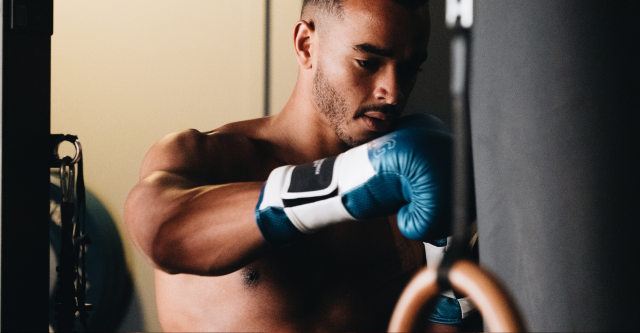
(367, 65)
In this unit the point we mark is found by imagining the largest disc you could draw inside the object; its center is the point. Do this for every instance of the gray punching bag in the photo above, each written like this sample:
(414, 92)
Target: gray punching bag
(555, 123)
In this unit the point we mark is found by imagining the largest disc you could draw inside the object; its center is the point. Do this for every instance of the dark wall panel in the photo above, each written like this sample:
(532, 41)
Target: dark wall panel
(556, 139)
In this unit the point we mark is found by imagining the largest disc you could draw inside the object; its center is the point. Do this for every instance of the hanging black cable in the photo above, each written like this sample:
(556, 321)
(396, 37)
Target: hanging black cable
(459, 19)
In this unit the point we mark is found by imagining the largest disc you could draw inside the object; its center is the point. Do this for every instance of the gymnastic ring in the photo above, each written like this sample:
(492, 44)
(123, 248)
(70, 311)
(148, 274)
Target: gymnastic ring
(78, 155)
(497, 309)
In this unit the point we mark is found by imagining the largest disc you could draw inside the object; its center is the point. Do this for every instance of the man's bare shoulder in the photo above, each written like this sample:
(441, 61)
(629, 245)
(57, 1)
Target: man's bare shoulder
(253, 129)
(227, 154)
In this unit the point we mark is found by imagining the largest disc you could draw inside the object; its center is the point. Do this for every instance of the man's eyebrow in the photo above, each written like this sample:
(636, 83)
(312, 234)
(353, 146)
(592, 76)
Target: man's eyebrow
(368, 48)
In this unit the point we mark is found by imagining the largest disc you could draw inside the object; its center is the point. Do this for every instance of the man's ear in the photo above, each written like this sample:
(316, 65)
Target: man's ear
(303, 38)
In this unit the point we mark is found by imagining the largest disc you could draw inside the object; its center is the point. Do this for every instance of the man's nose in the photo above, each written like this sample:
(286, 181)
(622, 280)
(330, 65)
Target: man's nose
(388, 88)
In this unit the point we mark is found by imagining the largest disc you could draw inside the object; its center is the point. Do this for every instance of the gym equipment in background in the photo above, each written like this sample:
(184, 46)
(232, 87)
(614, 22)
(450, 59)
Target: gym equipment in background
(83, 272)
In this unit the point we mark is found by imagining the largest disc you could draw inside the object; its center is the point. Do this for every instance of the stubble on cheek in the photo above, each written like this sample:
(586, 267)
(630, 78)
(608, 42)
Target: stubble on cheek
(334, 107)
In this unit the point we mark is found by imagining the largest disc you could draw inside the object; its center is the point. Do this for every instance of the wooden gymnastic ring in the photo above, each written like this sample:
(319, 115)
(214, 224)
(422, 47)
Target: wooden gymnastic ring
(496, 307)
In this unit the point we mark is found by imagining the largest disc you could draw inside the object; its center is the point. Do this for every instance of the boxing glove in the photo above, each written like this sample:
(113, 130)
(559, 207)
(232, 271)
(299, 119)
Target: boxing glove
(407, 172)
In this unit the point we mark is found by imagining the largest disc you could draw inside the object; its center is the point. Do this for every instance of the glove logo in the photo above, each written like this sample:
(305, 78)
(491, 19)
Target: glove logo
(383, 147)
(318, 165)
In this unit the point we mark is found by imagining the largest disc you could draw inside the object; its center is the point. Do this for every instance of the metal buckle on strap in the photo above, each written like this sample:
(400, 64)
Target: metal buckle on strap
(462, 9)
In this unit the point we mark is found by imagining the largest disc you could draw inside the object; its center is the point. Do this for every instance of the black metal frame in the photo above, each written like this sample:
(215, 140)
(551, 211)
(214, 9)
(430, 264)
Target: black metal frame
(26, 89)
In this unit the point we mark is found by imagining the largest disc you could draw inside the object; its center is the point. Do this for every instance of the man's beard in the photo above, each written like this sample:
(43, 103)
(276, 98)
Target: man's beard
(334, 107)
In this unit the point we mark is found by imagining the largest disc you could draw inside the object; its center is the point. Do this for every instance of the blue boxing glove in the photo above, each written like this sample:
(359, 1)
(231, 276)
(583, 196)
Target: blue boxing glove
(407, 172)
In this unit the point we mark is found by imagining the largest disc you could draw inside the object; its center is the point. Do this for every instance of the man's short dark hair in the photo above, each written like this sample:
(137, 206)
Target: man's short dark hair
(335, 6)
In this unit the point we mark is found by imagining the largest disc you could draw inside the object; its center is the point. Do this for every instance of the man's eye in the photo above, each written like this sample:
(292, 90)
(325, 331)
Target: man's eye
(368, 64)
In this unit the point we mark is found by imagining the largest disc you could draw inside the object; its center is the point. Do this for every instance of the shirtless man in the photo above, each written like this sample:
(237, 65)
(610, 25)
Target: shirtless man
(224, 264)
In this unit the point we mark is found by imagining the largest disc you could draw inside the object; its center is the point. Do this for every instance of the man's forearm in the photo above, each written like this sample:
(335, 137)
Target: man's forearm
(203, 230)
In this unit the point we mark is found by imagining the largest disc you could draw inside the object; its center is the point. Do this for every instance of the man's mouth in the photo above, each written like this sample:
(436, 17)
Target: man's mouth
(378, 121)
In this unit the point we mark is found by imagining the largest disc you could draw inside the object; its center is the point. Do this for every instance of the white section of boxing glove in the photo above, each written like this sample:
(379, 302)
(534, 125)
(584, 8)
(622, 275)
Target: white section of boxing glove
(271, 195)
(434, 255)
(467, 306)
(320, 214)
(350, 169)
(353, 169)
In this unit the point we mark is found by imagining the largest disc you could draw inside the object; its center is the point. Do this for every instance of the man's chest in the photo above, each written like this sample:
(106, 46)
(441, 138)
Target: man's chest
(345, 276)
(352, 254)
